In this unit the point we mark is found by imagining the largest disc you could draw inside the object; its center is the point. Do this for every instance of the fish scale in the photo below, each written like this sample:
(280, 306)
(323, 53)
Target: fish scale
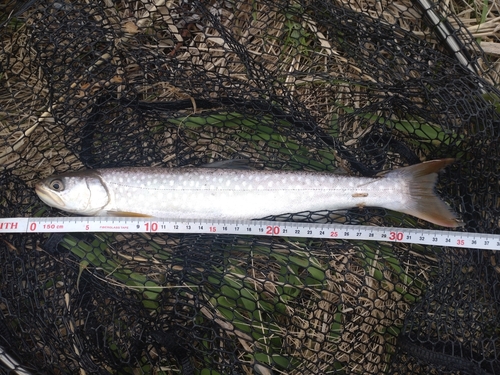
(221, 193)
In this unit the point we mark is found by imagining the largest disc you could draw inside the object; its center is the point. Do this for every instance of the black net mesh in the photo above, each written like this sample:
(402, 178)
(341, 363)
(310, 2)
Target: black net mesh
(298, 85)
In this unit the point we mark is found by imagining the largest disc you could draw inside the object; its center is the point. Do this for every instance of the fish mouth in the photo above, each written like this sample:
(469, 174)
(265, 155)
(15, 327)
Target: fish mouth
(48, 196)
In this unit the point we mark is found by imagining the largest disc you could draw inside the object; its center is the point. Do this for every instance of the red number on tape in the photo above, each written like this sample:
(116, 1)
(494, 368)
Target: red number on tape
(396, 236)
(270, 229)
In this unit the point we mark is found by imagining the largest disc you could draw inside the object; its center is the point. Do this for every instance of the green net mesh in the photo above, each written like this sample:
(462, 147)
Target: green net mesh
(363, 86)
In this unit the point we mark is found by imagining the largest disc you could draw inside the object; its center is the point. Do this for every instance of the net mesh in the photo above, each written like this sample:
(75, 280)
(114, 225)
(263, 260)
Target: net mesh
(362, 86)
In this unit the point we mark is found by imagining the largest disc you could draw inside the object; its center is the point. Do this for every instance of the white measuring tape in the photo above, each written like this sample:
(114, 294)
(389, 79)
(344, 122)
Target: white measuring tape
(251, 227)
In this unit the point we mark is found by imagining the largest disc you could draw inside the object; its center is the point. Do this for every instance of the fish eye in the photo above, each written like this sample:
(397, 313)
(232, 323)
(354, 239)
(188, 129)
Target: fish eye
(56, 185)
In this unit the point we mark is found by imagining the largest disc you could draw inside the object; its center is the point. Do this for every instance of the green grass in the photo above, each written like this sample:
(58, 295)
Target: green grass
(97, 255)
(262, 135)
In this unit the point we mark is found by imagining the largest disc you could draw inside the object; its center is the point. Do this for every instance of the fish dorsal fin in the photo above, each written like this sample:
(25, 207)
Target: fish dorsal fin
(228, 164)
(126, 214)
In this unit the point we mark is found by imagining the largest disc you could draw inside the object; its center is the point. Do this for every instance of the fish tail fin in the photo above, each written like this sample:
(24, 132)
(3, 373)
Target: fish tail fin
(424, 203)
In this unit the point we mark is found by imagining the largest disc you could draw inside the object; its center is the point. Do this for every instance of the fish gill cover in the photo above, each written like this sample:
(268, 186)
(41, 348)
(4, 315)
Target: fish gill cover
(359, 86)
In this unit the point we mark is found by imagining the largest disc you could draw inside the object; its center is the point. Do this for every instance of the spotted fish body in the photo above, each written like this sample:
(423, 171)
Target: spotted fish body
(211, 193)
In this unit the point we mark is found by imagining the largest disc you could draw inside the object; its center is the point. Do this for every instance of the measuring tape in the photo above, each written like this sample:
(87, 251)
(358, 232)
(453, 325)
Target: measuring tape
(251, 227)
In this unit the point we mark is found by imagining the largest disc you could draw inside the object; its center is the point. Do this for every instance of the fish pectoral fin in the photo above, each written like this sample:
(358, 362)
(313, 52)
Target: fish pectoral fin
(126, 214)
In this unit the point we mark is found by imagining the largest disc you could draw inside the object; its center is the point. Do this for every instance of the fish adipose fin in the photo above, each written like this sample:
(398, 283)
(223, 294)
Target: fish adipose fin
(424, 202)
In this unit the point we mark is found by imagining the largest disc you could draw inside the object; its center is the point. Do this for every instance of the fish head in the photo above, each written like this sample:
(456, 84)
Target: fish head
(76, 192)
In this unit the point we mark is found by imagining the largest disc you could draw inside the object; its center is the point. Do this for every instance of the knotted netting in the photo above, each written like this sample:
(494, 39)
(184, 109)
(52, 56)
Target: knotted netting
(356, 86)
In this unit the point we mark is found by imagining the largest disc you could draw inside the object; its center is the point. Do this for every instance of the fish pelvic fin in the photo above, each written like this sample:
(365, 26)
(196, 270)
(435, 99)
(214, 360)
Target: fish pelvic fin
(424, 203)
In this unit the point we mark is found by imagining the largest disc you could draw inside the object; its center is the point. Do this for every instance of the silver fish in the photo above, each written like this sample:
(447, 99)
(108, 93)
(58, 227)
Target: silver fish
(219, 193)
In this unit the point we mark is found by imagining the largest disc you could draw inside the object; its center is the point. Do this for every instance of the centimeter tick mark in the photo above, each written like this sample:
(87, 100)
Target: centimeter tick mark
(251, 227)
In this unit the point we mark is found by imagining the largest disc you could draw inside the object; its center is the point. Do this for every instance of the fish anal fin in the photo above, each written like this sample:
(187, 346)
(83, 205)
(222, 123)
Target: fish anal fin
(126, 214)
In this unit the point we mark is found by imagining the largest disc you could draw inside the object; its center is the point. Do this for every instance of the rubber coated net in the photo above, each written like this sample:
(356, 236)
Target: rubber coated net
(352, 86)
